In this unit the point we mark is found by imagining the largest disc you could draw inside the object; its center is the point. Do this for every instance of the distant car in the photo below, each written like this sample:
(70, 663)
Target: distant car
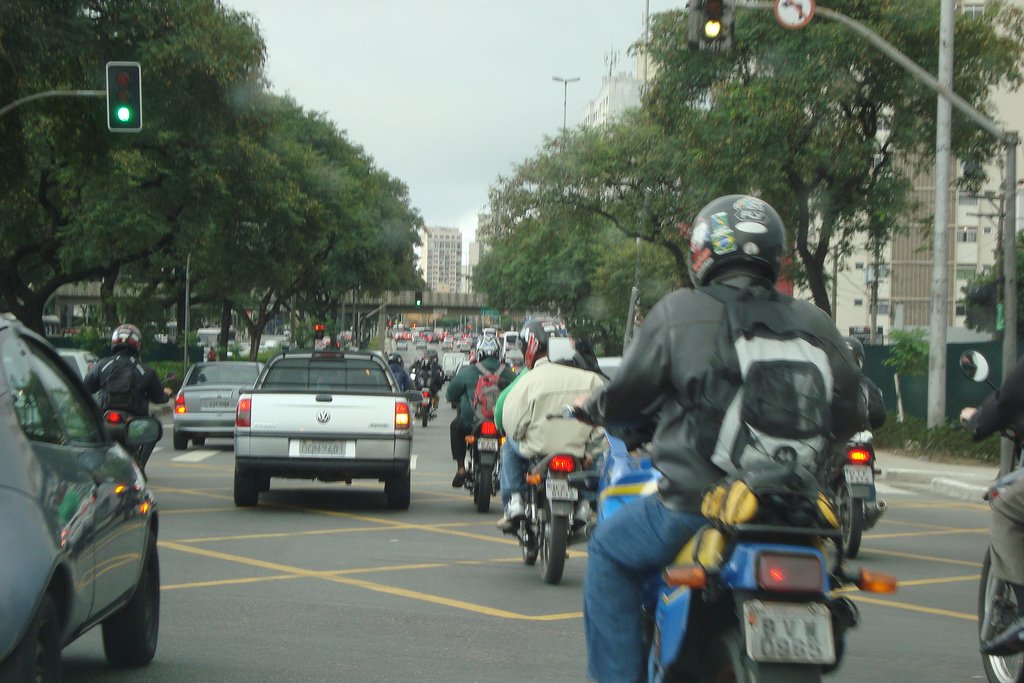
(205, 404)
(79, 522)
(402, 345)
(81, 361)
(463, 345)
(421, 343)
(448, 343)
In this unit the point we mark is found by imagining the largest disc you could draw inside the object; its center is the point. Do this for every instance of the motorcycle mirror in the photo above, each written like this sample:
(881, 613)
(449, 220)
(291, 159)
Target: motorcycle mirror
(974, 366)
(143, 430)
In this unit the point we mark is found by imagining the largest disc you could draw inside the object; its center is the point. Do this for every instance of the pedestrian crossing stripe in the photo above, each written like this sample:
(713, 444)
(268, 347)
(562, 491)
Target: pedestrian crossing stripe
(197, 455)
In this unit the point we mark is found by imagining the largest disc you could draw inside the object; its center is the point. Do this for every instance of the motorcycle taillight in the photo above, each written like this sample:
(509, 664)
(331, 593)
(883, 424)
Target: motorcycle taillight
(562, 463)
(115, 417)
(790, 573)
(858, 456)
(488, 428)
(426, 393)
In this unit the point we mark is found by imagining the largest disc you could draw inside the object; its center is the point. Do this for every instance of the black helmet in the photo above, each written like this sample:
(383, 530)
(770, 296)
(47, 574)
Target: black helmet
(736, 229)
(535, 335)
(396, 359)
(857, 349)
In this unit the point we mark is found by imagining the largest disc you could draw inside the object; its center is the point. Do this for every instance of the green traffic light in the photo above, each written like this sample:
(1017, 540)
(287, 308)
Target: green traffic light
(124, 114)
(712, 28)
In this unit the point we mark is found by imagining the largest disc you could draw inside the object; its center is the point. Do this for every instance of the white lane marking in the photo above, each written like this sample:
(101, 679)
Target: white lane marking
(197, 455)
(412, 461)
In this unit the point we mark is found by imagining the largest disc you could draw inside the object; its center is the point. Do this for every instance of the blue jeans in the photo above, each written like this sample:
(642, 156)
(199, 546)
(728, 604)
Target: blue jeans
(512, 478)
(625, 551)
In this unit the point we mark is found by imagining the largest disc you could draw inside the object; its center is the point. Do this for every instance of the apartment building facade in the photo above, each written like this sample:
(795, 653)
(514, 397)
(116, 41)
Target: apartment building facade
(441, 259)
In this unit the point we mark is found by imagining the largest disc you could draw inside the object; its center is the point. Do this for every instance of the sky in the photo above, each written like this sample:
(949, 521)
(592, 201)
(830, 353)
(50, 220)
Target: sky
(447, 95)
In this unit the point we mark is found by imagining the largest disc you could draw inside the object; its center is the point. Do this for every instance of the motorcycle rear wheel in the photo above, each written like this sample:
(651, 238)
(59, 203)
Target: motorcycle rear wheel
(851, 518)
(994, 592)
(482, 488)
(554, 538)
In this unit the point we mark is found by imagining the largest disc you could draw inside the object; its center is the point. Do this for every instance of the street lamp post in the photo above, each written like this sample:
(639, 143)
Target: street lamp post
(184, 363)
(565, 92)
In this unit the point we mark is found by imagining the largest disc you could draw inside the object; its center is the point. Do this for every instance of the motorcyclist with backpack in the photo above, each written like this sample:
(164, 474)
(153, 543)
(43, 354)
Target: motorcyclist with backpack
(526, 411)
(460, 394)
(122, 382)
(397, 365)
(683, 370)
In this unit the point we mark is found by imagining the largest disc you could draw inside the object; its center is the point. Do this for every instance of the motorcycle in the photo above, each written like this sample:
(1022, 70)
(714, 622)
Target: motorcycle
(482, 462)
(751, 596)
(853, 484)
(551, 522)
(997, 604)
(423, 411)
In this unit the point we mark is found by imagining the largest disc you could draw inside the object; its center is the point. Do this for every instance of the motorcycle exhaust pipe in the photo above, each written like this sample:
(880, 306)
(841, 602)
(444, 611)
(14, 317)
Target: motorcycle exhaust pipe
(881, 505)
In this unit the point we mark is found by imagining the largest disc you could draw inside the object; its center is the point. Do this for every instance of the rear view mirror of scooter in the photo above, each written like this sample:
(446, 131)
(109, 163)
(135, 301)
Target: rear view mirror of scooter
(975, 368)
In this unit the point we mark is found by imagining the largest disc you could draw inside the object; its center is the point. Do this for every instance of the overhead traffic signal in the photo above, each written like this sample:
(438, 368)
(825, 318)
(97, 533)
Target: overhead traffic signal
(711, 24)
(419, 298)
(124, 97)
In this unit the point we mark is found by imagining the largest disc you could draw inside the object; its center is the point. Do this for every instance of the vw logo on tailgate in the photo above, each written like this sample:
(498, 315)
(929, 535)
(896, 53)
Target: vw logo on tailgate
(323, 416)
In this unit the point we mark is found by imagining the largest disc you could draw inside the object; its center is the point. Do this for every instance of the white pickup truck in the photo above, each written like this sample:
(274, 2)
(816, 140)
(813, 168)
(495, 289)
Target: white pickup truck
(327, 415)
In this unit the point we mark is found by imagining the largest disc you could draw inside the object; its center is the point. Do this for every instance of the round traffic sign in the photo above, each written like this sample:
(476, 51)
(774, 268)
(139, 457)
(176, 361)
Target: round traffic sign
(794, 14)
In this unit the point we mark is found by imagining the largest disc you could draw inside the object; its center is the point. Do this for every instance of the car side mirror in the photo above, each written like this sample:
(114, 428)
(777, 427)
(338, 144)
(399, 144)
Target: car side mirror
(414, 396)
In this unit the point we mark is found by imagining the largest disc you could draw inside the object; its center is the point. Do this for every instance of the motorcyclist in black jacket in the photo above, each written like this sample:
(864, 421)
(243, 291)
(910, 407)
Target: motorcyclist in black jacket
(146, 388)
(737, 241)
(999, 411)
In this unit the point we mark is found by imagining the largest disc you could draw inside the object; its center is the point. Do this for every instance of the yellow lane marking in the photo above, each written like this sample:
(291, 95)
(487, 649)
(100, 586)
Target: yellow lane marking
(917, 534)
(917, 608)
(190, 492)
(932, 582)
(369, 585)
(307, 532)
(191, 511)
(927, 558)
(917, 525)
(228, 582)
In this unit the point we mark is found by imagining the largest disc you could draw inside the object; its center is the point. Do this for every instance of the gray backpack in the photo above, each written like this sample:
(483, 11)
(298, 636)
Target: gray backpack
(777, 383)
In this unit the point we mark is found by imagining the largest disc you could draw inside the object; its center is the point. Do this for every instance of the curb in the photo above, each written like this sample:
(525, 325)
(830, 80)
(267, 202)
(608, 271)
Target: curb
(933, 482)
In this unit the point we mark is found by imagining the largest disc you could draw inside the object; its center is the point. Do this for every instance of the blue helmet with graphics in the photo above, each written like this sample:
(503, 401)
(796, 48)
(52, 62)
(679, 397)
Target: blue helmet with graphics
(736, 230)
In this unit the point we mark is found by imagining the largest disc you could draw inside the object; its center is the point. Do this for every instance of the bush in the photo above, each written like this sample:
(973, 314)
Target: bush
(913, 437)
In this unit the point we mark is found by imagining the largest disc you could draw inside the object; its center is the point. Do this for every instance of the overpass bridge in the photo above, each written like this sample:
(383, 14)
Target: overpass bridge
(434, 305)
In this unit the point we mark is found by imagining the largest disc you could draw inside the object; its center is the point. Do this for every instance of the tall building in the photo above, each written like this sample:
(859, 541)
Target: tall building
(441, 259)
(618, 94)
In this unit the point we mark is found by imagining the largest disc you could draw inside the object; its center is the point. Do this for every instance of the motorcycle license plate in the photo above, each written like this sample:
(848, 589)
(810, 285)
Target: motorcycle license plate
(559, 489)
(792, 633)
(487, 444)
(859, 474)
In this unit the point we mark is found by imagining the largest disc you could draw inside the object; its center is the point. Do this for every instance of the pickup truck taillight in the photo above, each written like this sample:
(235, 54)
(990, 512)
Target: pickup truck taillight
(402, 417)
(243, 413)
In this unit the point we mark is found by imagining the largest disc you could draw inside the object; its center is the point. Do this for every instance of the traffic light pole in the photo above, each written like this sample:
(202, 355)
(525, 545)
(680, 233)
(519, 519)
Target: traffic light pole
(52, 93)
(1010, 141)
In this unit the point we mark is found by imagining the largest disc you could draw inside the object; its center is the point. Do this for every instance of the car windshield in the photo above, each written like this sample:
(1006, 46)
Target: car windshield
(236, 374)
(327, 375)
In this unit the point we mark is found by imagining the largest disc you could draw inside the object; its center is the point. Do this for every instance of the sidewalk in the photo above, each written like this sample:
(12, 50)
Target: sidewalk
(959, 482)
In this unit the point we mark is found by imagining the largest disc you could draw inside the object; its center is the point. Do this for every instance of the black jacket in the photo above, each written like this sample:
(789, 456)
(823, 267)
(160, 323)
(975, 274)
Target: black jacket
(663, 374)
(1002, 411)
(146, 385)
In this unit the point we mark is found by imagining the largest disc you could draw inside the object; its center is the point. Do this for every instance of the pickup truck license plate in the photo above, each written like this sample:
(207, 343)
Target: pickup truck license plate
(859, 474)
(487, 444)
(799, 633)
(559, 489)
(321, 448)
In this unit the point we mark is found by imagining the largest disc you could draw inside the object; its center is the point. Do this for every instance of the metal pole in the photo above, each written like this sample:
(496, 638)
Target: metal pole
(565, 93)
(940, 247)
(1009, 279)
(184, 345)
(52, 93)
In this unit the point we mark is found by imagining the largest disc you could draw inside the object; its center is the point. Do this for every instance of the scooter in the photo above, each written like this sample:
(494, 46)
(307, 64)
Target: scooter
(483, 446)
(997, 603)
(750, 597)
(853, 485)
(423, 409)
